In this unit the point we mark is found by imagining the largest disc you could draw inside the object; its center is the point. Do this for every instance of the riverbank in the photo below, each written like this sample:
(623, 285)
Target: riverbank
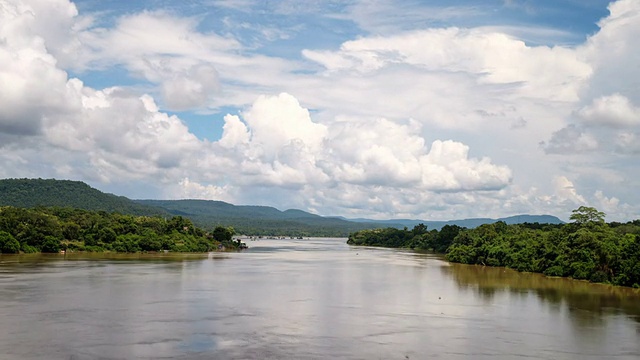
(587, 250)
(51, 230)
(304, 299)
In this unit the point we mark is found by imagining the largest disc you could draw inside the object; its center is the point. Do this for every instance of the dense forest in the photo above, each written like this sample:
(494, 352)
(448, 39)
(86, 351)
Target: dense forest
(587, 248)
(30, 193)
(55, 229)
(209, 214)
(206, 214)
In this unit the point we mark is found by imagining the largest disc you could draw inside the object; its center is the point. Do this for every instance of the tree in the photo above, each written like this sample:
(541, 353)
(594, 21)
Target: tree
(585, 215)
(50, 245)
(419, 229)
(223, 234)
(71, 231)
(8, 244)
(107, 235)
(445, 237)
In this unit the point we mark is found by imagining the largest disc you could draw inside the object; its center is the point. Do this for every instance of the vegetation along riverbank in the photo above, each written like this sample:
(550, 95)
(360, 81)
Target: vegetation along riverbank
(587, 248)
(55, 229)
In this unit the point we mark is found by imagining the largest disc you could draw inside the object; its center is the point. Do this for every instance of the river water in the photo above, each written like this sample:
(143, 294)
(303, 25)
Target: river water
(303, 299)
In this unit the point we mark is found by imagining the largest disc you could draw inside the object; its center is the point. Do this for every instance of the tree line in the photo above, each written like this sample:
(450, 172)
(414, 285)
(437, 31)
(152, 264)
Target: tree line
(587, 248)
(52, 229)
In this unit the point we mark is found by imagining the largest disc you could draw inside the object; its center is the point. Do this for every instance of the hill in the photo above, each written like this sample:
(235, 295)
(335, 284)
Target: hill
(246, 219)
(259, 220)
(31, 193)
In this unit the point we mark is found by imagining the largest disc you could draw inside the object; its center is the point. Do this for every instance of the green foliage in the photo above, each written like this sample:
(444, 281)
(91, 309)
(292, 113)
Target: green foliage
(205, 215)
(257, 220)
(223, 234)
(586, 249)
(585, 215)
(389, 237)
(106, 235)
(8, 244)
(31, 193)
(50, 245)
(54, 229)
(444, 238)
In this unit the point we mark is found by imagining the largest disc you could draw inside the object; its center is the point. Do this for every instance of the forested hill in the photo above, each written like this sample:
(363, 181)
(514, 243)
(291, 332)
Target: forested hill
(30, 193)
(207, 214)
(258, 220)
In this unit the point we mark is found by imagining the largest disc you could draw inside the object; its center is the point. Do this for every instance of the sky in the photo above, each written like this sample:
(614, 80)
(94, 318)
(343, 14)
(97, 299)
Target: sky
(430, 110)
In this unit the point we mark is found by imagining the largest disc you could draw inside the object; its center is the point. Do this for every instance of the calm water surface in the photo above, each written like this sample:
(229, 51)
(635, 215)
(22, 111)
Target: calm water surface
(303, 299)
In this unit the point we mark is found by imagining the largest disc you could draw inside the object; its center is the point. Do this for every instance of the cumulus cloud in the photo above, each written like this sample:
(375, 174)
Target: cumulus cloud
(190, 88)
(474, 51)
(424, 122)
(607, 111)
(278, 140)
(610, 123)
(276, 121)
(187, 189)
(164, 49)
(566, 191)
(612, 53)
(234, 132)
(571, 139)
(32, 83)
(607, 204)
(110, 133)
(613, 110)
(56, 23)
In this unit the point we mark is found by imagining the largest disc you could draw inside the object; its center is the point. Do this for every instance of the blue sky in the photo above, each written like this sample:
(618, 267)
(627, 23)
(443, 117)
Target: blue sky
(294, 26)
(361, 108)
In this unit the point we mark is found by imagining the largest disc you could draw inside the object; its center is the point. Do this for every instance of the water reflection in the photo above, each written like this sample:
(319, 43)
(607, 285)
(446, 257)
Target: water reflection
(584, 301)
(301, 299)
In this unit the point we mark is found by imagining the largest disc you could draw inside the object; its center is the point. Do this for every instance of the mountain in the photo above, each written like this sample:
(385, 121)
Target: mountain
(468, 223)
(259, 220)
(246, 219)
(29, 193)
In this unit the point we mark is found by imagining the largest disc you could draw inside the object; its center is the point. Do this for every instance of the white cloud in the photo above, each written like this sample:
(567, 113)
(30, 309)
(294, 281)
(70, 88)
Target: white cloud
(491, 57)
(385, 16)
(614, 110)
(613, 55)
(277, 121)
(54, 22)
(234, 132)
(278, 143)
(163, 49)
(607, 118)
(566, 191)
(109, 134)
(191, 88)
(187, 189)
(429, 122)
(32, 84)
(607, 204)
(571, 139)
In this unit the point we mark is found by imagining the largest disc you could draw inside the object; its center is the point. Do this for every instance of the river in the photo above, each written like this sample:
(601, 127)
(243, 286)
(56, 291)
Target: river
(303, 299)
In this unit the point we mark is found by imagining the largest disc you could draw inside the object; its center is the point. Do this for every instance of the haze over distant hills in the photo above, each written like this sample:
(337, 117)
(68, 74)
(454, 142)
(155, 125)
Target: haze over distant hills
(246, 219)
(469, 223)
(258, 220)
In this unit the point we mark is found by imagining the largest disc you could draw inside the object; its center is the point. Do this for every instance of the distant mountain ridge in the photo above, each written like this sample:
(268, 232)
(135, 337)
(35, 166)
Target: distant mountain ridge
(468, 223)
(259, 220)
(247, 219)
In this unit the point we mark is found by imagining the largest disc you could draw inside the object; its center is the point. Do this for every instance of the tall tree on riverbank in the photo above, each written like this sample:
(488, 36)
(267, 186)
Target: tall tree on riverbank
(588, 248)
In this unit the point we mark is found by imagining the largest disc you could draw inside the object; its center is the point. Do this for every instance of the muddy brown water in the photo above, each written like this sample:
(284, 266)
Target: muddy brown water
(303, 299)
